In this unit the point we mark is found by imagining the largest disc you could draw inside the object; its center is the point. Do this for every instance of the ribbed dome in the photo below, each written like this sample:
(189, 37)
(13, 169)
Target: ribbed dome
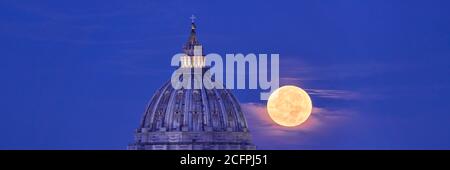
(199, 118)
(192, 119)
(193, 110)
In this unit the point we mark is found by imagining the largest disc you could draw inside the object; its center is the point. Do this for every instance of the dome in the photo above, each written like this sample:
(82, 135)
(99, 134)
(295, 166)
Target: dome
(192, 119)
(183, 119)
(193, 110)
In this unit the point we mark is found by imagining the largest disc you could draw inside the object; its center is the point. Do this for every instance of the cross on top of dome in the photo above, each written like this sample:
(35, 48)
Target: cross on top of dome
(192, 42)
(192, 18)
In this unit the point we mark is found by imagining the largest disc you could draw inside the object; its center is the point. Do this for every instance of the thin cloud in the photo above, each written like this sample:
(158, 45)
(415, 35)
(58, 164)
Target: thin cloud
(321, 93)
(264, 130)
(334, 94)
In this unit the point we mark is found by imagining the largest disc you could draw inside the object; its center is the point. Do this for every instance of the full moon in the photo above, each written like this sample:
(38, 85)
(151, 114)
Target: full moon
(289, 106)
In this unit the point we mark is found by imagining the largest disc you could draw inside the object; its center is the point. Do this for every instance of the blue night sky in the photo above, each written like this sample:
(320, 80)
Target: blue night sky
(77, 75)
